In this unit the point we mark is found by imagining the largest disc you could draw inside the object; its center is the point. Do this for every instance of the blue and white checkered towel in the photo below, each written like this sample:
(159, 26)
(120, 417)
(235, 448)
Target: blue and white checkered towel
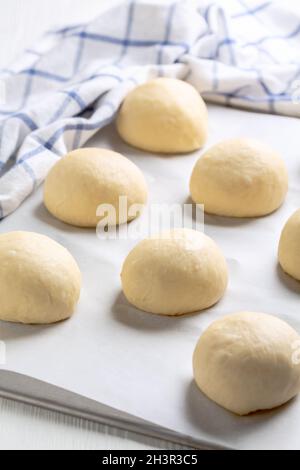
(240, 52)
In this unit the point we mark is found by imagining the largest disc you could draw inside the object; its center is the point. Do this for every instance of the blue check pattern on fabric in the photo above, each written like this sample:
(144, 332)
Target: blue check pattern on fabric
(71, 84)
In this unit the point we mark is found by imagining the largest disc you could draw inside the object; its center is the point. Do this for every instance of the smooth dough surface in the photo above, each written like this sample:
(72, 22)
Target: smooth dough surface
(39, 279)
(239, 178)
(164, 115)
(88, 177)
(245, 363)
(178, 272)
(289, 246)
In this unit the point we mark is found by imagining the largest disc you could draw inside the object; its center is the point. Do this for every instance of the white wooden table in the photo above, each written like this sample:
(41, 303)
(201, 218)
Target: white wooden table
(23, 426)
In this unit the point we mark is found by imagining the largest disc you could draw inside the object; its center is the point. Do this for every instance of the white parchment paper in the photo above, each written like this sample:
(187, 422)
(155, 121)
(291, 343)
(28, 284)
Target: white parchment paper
(140, 363)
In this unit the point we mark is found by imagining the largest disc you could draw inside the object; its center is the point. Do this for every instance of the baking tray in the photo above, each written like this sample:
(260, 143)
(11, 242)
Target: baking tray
(140, 365)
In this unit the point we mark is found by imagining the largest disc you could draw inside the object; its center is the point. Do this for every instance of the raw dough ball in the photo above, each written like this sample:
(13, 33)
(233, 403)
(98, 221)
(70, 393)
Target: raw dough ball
(289, 246)
(39, 280)
(239, 178)
(88, 177)
(244, 362)
(177, 272)
(164, 115)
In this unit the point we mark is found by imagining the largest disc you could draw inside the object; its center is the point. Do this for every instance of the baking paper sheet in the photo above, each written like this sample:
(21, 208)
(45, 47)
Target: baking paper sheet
(140, 363)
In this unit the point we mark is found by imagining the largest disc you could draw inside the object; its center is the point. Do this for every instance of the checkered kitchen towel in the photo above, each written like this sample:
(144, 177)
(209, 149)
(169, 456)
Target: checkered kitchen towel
(243, 53)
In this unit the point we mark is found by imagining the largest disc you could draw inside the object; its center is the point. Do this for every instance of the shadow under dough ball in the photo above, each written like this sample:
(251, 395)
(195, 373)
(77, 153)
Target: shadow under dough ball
(239, 178)
(164, 115)
(40, 281)
(175, 273)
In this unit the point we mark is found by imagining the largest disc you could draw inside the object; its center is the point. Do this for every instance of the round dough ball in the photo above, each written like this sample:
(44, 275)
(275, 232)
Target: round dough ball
(88, 177)
(178, 272)
(39, 279)
(164, 115)
(289, 246)
(244, 362)
(239, 178)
